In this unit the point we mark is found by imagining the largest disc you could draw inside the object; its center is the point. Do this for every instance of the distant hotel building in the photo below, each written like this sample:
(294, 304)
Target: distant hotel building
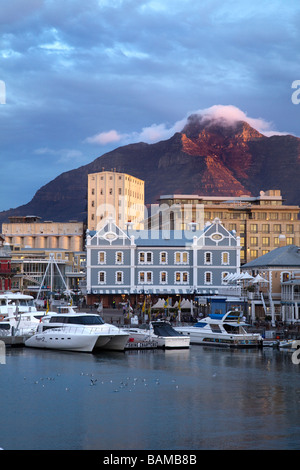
(116, 195)
(258, 221)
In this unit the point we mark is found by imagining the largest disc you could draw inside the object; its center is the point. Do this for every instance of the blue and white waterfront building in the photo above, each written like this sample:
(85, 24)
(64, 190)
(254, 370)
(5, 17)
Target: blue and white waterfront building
(159, 262)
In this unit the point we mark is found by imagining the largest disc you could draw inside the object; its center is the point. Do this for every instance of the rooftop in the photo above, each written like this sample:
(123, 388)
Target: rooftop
(284, 256)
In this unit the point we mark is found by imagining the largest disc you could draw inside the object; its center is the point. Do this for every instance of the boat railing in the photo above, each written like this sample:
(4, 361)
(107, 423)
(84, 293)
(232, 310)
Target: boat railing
(85, 329)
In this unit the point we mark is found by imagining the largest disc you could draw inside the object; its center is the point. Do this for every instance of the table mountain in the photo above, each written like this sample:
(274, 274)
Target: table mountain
(206, 157)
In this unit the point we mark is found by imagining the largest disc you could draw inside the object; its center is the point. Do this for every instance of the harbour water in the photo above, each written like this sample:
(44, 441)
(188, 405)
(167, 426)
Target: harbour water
(200, 398)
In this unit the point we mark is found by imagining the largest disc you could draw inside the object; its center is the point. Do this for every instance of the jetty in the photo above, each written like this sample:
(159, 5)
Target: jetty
(18, 340)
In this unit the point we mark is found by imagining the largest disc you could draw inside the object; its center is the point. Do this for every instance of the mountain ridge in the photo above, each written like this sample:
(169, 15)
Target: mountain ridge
(205, 158)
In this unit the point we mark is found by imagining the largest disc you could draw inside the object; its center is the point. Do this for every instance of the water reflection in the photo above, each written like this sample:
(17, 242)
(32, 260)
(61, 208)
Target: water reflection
(200, 398)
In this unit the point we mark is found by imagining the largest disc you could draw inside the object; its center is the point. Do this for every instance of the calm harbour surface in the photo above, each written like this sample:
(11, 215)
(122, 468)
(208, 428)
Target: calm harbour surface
(196, 399)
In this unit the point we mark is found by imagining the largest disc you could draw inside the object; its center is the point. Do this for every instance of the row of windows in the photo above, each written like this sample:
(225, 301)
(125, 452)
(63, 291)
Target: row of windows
(276, 228)
(146, 257)
(254, 215)
(266, 241)
(146, 277)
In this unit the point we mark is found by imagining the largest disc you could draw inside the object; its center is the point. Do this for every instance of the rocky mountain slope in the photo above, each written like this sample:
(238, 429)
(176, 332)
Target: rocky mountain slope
(208, 158)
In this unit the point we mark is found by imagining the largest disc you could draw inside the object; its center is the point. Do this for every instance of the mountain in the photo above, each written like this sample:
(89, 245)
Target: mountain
(206, 157)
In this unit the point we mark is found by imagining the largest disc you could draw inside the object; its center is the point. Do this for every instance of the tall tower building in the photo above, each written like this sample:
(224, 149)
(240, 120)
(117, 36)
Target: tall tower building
(117, 195)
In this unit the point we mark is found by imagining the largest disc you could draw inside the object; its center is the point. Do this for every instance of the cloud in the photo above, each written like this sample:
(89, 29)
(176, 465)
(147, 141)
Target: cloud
(104, 138)
(227, 114)
(230, 115)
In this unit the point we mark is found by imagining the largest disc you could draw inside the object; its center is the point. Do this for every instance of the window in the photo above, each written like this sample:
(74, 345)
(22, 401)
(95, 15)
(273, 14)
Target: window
(277, 228)
(181, 277)
(149, 257)
(253, 253)
(145, 257)
(225, 257)
(266, 241)
(101, 257)
(253, 228)
(101, 277)
(119, 257)
(119, 277)
(181, 257)
(223, 276)
(254, 241)
(163, 257)
(266, 228)
(207, 277)
(289, 240)
(289, 228)
(207, 257)
(163, 277)
(145, 277)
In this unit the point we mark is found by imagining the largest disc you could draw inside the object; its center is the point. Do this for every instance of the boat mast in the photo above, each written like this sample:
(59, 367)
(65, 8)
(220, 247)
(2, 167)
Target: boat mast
(50, 264)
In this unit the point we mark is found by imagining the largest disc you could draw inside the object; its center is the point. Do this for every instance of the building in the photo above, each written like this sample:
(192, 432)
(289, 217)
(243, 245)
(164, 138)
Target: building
(258, 221)
(117, 195)
(33, 272)
(31, 232)
(130, 264)
(6, 271)
(278, 293)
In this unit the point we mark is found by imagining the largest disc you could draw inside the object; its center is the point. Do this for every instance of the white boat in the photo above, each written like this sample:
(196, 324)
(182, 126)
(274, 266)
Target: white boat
(287, 344)
(162, 333)
(222, 330)
(83, 332)
(15, 302)
(19, 324)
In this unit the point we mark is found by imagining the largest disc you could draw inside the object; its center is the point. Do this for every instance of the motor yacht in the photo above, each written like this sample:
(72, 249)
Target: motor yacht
(12, 302)
(83, 332)
(19, 324)
(162, 333)
(221, 330)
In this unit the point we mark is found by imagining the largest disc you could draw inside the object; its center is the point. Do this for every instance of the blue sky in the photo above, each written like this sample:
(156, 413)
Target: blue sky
(82, 78)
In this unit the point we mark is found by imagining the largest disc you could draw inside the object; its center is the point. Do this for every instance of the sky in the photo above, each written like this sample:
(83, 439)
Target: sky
(81, 78)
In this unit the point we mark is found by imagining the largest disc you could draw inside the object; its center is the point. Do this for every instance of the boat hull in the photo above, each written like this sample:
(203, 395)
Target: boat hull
(229, 341)
(165, 342)
(63, 341)
(66, 341)
(114, 343)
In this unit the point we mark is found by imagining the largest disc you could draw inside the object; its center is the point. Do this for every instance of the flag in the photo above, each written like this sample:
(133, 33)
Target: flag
(47, 307)
(144, 306)
(167, 303)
